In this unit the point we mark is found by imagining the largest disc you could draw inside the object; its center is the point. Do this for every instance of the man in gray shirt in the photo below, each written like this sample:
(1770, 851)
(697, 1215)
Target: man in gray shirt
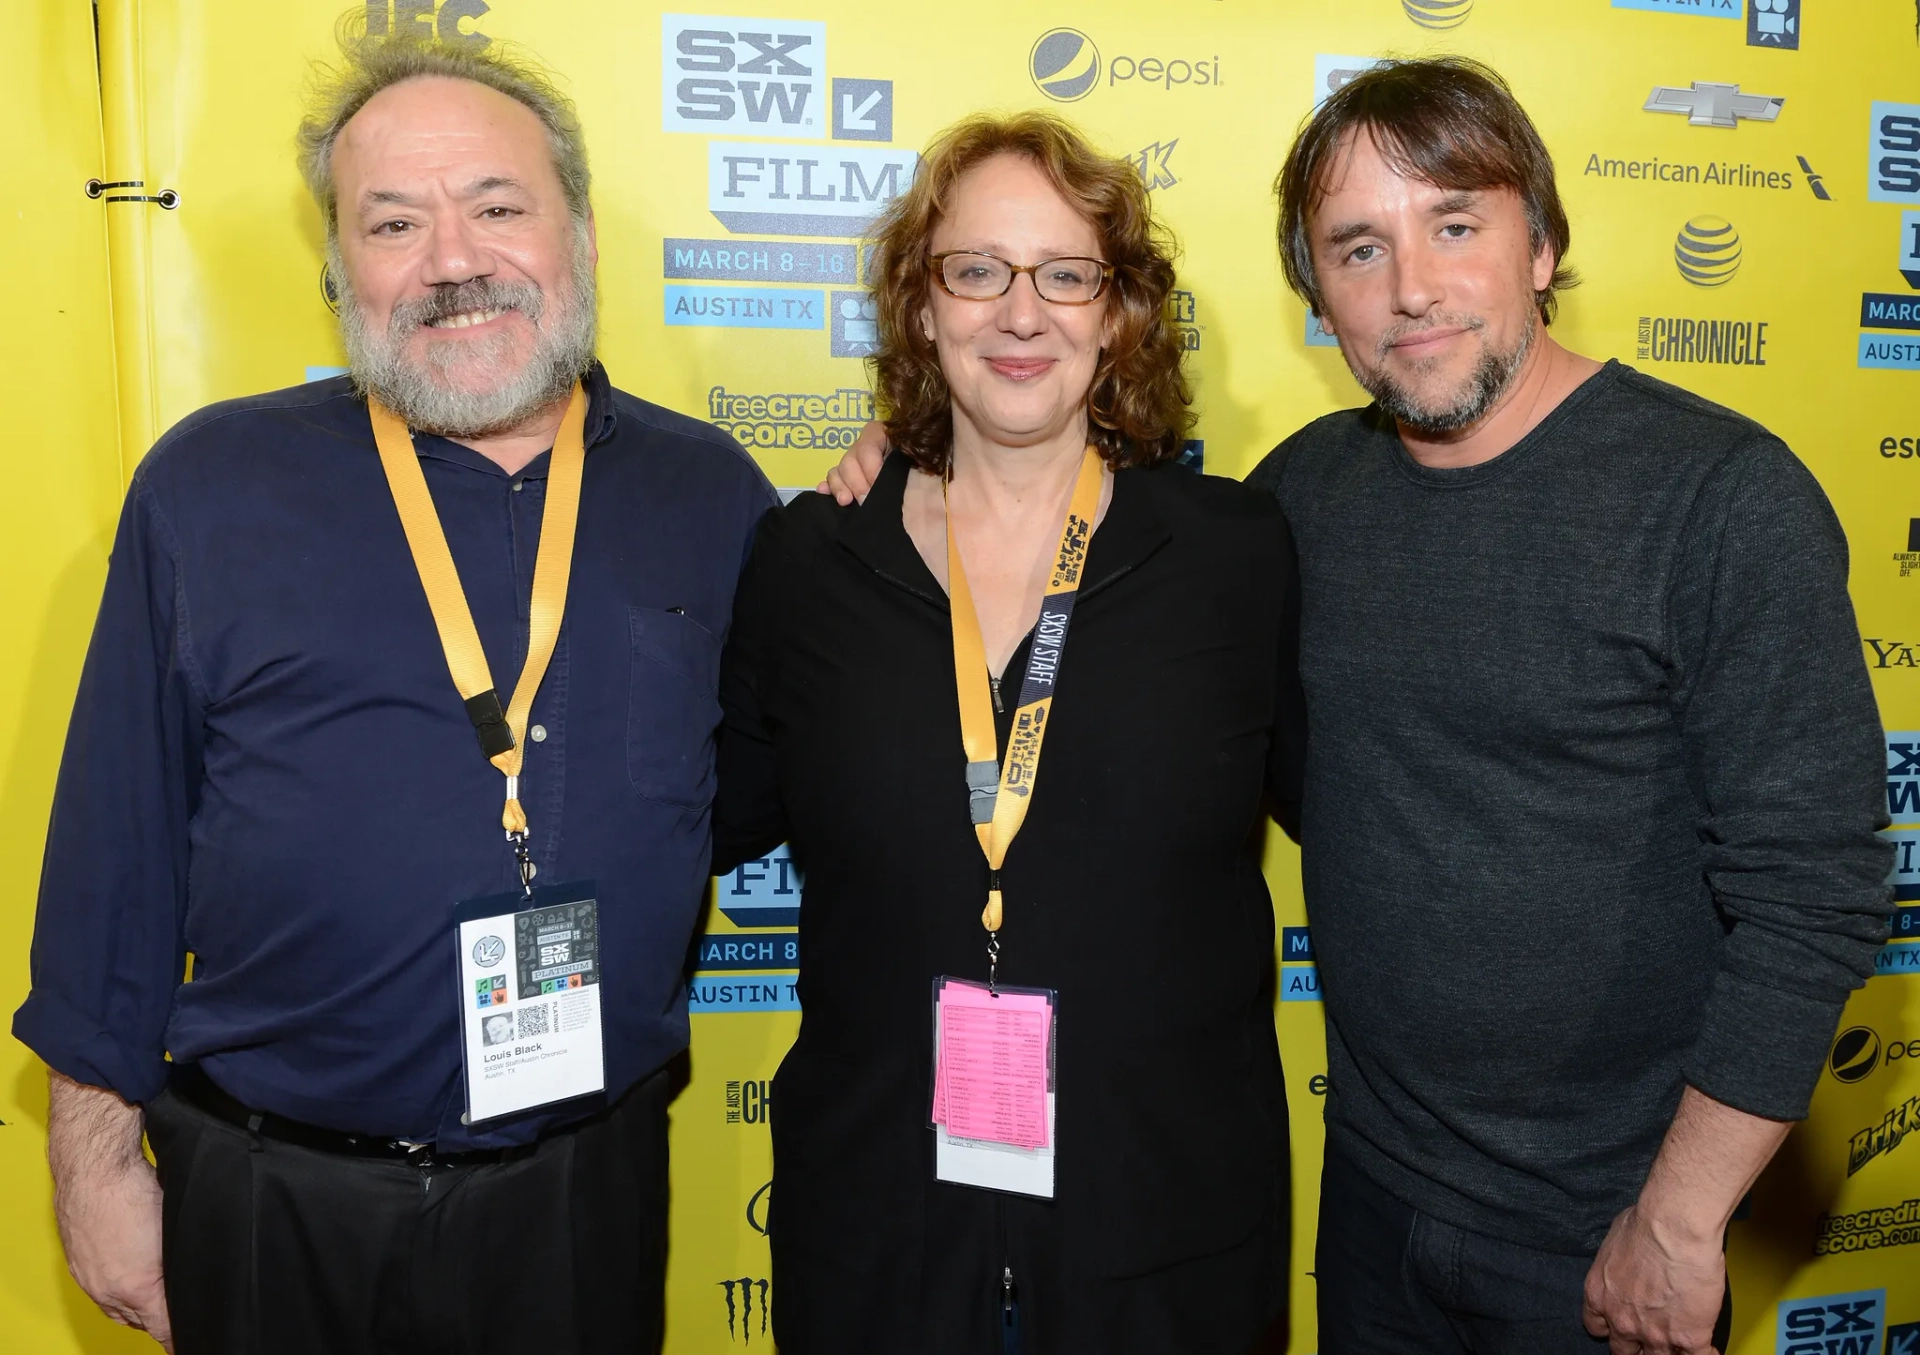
(1594, 765)
(1594, 768)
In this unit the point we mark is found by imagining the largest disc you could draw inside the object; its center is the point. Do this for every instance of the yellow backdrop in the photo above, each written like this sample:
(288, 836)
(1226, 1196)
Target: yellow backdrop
(1745, 200)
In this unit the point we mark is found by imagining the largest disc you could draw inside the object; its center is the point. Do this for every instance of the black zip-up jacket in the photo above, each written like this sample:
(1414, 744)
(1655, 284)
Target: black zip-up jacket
(1134, 890)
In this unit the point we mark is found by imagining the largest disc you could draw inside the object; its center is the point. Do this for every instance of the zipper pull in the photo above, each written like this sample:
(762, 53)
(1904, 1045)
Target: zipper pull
(993, 685)
(1006, 1302)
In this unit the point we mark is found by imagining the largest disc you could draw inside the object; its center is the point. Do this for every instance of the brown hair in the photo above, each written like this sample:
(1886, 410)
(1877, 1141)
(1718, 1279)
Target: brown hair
(1447, 121)
(1137, 407)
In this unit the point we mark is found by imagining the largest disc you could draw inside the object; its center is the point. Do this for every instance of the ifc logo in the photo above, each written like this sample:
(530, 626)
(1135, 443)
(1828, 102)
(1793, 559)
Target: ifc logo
(1439, 14)
(1855, 1054)
(1064, 64)
(1708, 251)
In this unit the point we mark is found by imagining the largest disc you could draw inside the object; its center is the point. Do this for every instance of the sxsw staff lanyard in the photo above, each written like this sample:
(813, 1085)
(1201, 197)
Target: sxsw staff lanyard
(998, 793)
(502, 733)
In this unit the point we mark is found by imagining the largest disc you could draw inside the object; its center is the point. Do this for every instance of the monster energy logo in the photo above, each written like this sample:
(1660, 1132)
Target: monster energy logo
(740, 1307)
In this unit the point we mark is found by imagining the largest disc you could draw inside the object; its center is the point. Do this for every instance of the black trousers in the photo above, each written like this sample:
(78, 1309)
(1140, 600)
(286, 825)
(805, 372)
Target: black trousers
(273, 1249)
(1394, 1281)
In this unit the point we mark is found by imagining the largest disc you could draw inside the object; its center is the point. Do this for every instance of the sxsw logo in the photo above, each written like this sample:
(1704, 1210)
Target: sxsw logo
(1903, 769)
(782, 190)
(1893, 153)
(1835, 1324)
(1299, 974)
(1774, 23)
(762, 893)
(763, 76)
(1704, 9)
(1332, 73)
(1698, 8)
(1896, 310)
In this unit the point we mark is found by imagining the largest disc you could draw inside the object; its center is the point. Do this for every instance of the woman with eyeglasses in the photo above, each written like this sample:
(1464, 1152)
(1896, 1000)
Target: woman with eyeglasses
(1016, 715)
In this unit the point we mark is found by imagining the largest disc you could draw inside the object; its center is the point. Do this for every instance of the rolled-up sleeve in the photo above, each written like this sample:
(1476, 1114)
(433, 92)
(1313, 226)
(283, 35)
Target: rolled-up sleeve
(108, 941)
(1785, 751)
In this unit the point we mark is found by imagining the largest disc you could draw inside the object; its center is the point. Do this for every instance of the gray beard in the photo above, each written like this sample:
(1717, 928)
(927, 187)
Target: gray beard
(1466, 406)
(425, 394)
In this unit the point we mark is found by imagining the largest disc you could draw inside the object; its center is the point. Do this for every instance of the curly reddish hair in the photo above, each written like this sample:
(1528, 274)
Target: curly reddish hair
(1139, 406)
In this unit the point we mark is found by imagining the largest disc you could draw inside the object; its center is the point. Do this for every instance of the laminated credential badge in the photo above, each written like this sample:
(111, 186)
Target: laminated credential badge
(530, 999)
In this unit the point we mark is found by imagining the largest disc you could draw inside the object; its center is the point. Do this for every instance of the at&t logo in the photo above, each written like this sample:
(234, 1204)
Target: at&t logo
(1707, 251)
(1440, 14)
(1833, 1324)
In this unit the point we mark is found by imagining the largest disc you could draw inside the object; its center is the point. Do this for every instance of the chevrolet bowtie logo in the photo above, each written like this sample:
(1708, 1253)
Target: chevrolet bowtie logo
(1709, 104)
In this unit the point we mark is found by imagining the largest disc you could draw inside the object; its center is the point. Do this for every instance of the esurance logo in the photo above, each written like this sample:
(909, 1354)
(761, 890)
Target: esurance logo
(1893, 153)
(759, 76)
(1065, 65)
(1833, 1324)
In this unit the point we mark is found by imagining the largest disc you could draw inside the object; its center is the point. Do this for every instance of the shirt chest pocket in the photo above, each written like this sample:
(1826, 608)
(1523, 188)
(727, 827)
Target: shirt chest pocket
(673, 707)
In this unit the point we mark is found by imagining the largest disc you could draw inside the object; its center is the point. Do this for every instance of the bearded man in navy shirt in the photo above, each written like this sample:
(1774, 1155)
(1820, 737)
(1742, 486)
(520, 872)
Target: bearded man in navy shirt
(272, 776)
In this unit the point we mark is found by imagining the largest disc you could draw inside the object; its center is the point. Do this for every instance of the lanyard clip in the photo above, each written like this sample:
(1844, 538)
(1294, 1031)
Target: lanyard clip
(523, 858)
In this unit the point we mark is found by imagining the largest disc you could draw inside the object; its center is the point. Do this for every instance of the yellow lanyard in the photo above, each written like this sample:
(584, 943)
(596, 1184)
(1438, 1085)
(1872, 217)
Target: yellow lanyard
(998, 793)
(502, 734)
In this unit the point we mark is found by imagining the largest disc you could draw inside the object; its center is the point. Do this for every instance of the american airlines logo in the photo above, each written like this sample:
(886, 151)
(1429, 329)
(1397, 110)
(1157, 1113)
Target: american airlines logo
(1708, 103)
(765, 77)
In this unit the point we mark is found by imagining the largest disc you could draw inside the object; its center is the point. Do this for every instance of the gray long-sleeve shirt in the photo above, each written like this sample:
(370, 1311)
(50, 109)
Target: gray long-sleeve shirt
(1593, 776)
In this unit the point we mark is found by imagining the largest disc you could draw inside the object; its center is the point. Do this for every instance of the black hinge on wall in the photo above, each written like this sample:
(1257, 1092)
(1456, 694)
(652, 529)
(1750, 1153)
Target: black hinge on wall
(166, 197)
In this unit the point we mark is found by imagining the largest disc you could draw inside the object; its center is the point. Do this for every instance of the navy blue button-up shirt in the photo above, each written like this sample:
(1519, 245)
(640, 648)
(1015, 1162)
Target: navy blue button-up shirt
(269, 766)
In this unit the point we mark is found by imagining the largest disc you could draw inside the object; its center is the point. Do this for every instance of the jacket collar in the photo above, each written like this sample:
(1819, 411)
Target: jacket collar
(1133, 529)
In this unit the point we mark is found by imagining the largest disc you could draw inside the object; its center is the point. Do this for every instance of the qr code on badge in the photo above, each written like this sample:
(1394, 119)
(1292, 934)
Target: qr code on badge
(535, 1019)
